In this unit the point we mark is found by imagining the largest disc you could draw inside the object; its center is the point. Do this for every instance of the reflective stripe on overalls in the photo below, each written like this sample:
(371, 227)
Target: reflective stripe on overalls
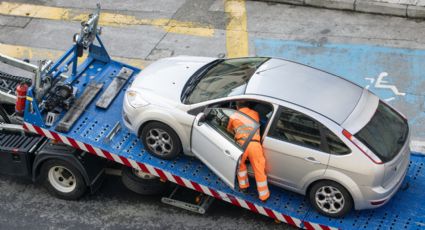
(263, 189)
(254, 152)
(243, 179)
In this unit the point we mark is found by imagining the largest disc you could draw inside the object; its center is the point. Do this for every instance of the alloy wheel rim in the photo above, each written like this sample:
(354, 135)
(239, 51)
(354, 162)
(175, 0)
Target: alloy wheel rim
(159, 141)
(329, 199)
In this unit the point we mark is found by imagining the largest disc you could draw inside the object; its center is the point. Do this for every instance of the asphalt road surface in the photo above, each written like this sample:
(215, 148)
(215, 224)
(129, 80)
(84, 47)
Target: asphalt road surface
(24, 205)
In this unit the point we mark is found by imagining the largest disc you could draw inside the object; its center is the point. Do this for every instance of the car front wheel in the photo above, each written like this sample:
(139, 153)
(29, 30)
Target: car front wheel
(161, 140)
(330, 199)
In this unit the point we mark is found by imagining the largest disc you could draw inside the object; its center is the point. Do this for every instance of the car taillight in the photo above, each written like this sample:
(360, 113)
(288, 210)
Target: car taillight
(365, 150)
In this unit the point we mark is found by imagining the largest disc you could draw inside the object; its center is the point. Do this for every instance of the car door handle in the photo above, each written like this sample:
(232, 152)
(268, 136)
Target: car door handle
(227, 152)
(312, 160)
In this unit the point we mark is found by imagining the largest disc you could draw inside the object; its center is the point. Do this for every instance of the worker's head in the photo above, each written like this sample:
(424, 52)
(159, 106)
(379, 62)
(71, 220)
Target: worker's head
(242, 104)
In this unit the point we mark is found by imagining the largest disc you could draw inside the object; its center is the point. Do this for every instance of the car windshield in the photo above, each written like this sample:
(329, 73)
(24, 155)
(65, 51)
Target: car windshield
(385, 134)
(222, 79)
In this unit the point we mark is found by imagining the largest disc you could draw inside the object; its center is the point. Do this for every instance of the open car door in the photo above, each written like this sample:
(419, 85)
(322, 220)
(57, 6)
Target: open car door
(213, 141)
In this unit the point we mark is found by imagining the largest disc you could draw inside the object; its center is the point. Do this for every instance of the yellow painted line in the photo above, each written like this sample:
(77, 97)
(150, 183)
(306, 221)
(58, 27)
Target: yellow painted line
(236, 29)
(106, 19)
(25, 52)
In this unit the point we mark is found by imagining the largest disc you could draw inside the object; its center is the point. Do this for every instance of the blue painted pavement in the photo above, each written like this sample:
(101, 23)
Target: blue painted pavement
(396, 75)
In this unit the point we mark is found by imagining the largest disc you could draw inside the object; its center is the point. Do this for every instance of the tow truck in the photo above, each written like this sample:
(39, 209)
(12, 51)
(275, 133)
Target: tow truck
(70, 131)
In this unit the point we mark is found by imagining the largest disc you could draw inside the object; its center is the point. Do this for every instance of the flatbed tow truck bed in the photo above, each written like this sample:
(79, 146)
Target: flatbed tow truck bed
(405, 211)
(96, 131)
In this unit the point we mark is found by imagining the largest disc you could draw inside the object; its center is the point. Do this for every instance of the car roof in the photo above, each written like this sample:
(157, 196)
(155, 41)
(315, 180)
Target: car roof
(319, 91)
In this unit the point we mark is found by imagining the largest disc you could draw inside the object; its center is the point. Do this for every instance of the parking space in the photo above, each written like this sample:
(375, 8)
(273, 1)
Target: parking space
(394, 74)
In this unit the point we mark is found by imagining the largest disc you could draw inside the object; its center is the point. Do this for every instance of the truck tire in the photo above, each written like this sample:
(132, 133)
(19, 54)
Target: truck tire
(161, 140)
(63, 180)
(142, 183)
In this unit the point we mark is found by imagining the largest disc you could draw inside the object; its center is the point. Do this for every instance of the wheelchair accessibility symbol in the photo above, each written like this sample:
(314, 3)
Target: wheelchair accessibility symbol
(380, 83)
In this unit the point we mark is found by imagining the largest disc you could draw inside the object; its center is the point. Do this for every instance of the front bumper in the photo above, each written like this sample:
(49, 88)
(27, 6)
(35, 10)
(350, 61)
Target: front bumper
(128, 114)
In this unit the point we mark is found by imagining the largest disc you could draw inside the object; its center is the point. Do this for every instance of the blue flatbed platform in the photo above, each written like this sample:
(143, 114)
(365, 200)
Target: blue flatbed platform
(405, 211)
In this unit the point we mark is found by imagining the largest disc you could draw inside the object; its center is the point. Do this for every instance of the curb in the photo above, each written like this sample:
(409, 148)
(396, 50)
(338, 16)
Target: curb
(418, 147)
(364, 6)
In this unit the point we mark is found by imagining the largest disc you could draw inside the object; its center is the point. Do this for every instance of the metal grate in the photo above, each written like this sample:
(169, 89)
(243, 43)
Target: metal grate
(17, 142)
(9, 82)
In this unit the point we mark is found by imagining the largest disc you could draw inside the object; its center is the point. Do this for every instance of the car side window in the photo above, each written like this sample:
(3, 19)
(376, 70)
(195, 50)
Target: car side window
(335, 145)
(298, 128)
(223, 121)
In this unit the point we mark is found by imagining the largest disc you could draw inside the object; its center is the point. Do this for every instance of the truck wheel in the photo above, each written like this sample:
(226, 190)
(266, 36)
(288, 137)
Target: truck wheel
(330, 199)
(63, 180)
(142, 183)
(161, 140)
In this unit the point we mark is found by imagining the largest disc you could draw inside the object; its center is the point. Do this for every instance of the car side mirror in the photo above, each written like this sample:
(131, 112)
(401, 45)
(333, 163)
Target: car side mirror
(196, 111)
(201, 118)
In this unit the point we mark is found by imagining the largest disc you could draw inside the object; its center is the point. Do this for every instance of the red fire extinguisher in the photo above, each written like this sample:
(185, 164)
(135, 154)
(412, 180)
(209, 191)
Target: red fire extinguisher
(21, 94)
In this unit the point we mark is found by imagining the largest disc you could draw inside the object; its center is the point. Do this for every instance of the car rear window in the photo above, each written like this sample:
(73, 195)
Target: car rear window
(385, 134)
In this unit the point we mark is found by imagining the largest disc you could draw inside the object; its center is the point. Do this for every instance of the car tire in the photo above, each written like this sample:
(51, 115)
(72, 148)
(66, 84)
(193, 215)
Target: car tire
(63, 180)
(330, 199)
(161, 140)
(142, 183)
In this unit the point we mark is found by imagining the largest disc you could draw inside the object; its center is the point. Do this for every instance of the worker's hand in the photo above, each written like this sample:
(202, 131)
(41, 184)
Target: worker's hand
(224, 121)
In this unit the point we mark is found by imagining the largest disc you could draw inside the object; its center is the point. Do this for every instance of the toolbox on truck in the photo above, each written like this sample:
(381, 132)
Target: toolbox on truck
(17, 153)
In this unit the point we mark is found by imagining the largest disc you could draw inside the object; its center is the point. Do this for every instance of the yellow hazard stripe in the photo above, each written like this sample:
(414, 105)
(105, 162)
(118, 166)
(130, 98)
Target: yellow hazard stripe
(236, 29)
(106, 19)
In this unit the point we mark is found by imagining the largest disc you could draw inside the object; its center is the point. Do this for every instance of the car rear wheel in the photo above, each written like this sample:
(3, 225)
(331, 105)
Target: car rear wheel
(161, 140)
(330, 199)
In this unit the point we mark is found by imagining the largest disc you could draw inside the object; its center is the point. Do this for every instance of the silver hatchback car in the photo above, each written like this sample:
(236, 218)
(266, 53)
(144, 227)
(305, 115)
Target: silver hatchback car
(322, 135)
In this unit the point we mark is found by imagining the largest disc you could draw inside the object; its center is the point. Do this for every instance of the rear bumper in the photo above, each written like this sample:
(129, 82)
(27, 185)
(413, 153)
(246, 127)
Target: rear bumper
(378, 196)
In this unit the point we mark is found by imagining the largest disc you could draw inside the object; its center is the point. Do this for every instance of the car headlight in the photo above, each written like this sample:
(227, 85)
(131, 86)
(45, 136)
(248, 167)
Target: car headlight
(135, 99)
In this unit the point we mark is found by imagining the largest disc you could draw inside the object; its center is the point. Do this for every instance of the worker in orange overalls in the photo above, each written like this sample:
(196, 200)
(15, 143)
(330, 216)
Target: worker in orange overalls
(254, 151)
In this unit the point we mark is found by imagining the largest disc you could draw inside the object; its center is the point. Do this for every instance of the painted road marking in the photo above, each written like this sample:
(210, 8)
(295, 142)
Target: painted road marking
(106, 19)
(236, 29)
(380, 83)
(400, 76)
(25, 52)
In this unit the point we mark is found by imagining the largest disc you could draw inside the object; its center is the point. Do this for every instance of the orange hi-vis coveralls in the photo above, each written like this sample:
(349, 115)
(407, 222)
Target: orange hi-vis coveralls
(254, 152)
